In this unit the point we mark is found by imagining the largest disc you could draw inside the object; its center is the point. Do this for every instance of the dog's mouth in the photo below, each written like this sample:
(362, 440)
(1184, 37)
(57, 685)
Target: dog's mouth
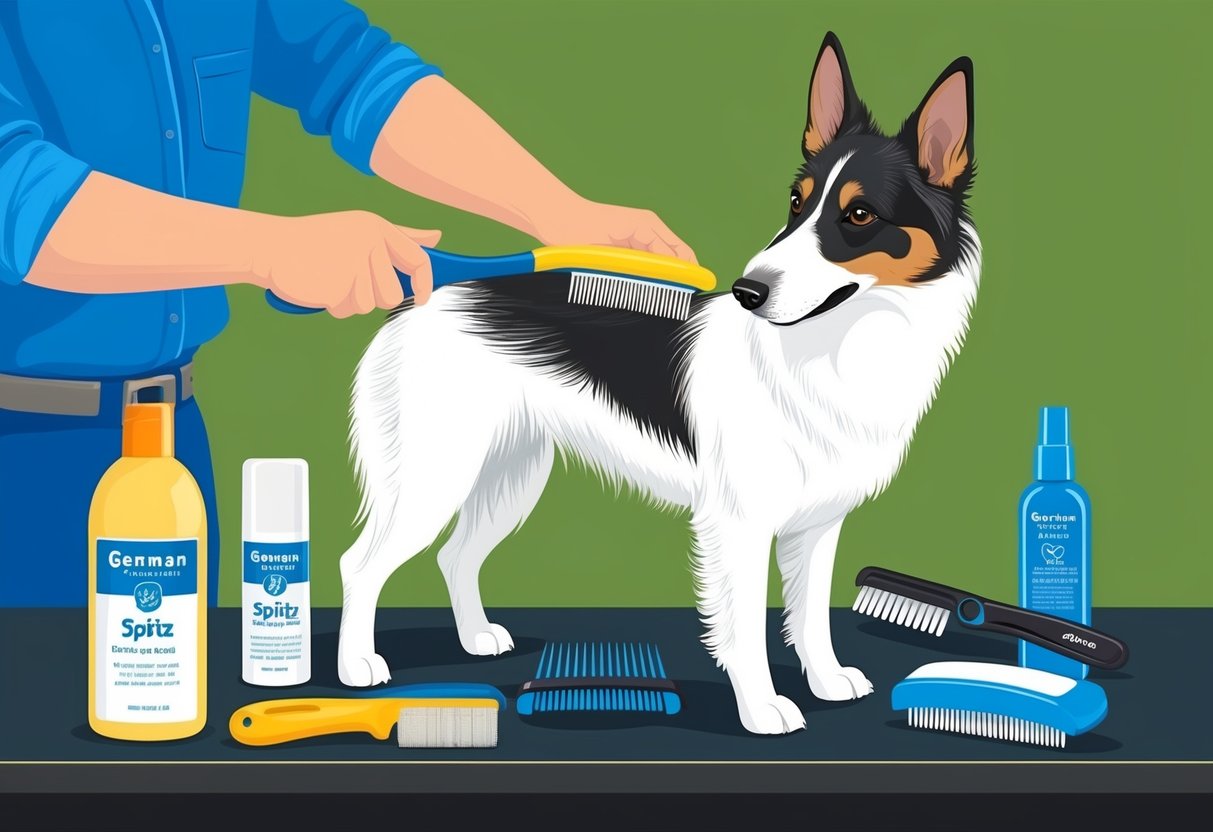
(836, 297)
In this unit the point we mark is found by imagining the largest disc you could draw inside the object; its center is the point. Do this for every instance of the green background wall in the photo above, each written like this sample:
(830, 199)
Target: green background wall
(1091, 132)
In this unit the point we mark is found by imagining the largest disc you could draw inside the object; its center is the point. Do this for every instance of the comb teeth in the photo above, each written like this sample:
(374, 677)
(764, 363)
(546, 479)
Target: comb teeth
(645, 296)
(596, 676)
(577, 660)
(982, 724)
(889, 606)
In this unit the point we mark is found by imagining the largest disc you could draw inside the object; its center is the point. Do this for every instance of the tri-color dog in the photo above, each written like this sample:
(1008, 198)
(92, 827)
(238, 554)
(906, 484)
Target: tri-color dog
(769, 414)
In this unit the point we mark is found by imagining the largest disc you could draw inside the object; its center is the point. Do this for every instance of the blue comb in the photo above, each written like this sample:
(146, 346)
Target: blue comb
(611, 676)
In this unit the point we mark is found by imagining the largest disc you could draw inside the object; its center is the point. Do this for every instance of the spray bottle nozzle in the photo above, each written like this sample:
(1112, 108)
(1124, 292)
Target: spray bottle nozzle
(1054, 453)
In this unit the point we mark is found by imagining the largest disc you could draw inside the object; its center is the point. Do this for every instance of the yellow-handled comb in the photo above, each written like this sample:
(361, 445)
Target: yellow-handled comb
(427, 716)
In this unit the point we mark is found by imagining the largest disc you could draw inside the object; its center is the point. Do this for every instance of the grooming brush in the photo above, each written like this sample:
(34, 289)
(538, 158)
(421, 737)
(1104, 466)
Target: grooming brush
(447, 715)
(926, 606)
(599, 677)
(617, 278)
(1000, 701)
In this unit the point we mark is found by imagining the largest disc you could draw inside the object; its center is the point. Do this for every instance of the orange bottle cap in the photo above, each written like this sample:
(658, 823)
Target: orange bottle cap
(147, 430)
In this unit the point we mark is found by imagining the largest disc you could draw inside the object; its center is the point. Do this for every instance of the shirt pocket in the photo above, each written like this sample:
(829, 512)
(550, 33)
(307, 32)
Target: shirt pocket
(224, 82)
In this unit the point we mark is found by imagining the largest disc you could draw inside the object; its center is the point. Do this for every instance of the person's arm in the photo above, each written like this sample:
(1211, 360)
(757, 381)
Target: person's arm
(114, 236)
(74, 229)
(441, 145)
(389, 113)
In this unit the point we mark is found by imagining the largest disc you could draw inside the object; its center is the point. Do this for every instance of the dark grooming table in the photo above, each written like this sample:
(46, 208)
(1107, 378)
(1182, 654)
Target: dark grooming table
(1158, 735)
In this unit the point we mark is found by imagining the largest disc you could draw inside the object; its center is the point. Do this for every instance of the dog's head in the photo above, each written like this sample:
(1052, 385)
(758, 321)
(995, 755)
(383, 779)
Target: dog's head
(867, 212)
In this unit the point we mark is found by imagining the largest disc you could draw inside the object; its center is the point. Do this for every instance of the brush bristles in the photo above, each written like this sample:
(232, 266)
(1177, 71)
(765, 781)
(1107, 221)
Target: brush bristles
(665, 300)
(599, 699)
(981, 724)
(447, 727)
(889, 606)
(629, 676)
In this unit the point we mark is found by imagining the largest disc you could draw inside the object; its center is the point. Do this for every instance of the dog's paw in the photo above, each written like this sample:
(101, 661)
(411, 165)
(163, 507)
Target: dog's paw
(363, 671)
(491, 642)
(843, 684)
(776, 716)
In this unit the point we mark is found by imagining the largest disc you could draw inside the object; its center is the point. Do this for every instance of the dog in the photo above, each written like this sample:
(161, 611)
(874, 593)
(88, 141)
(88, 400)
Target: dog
(770, 413)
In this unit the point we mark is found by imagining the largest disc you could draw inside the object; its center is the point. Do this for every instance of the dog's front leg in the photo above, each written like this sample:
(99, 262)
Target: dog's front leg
(806, 562)
(731, 566)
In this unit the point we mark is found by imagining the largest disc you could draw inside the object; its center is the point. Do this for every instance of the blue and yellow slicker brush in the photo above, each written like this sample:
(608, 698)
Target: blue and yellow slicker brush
(616, 278)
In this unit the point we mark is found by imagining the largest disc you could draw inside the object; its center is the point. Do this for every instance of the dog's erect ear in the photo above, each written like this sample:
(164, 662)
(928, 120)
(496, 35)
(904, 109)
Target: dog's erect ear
(832, 99)
(940, 132)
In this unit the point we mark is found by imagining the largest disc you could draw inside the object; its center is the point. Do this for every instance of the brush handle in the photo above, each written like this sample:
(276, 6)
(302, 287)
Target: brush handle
(285, 720)
(446, 267)
(980, 613)
(1069, 638)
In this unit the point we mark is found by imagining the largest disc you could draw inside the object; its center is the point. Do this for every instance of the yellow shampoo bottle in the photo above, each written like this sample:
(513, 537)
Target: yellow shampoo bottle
(147, 588)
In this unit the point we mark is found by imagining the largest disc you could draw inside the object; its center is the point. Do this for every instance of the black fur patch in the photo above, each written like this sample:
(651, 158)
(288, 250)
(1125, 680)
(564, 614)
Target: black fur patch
(632, 359)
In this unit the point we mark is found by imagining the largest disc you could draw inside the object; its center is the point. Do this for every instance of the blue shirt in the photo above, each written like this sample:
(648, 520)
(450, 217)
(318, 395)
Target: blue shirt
(157, 92)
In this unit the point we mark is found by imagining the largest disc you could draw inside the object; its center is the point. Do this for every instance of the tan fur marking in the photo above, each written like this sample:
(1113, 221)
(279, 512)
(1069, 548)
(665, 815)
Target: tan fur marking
(806, 188)
(851, 190)
(813, 141)
(953, 167)
(898, 271)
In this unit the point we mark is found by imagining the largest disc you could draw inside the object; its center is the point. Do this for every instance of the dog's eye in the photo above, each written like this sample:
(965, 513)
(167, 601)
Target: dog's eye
(797, 202)
(858, 215)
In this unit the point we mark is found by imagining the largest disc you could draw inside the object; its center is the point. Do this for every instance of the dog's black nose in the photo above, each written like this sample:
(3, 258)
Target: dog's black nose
(750, 293)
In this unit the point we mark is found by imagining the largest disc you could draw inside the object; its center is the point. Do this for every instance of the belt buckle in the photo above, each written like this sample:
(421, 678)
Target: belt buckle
(167, 383)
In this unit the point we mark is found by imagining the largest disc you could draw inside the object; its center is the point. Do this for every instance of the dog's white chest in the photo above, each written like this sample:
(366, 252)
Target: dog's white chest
(812, 438)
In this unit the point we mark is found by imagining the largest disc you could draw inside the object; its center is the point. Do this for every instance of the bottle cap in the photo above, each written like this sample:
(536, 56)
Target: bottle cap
(1054, 453)
(275, 499)
(147, 429)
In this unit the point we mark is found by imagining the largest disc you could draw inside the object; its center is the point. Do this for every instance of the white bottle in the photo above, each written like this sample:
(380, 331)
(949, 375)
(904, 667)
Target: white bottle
(276, 591)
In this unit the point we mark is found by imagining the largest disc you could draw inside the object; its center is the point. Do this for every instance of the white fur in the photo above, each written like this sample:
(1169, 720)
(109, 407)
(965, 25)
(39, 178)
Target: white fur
(794, 427)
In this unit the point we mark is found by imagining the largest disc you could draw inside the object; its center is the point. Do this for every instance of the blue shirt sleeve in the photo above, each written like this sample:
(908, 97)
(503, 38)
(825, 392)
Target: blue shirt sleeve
(37, 178)
(344, 76)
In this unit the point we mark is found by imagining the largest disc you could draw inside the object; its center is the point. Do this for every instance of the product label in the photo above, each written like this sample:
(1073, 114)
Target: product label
(277, 619)
(1054, 553)
(147, 630)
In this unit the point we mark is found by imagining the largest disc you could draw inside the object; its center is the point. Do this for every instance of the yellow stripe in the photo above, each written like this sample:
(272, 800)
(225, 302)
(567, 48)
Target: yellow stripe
(624, 261)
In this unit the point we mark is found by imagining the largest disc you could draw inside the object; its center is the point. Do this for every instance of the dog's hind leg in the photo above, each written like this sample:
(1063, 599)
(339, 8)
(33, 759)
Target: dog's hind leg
(806, 562)
(363, 573)
(732, 561)
(393, 534)
(417, 459)
(507, 489)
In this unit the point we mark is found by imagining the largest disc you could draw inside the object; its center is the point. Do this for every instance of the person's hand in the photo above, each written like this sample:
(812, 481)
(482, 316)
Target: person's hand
(344, 262)
(595, 223)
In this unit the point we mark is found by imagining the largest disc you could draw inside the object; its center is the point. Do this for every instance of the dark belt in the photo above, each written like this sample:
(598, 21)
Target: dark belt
(69, 397)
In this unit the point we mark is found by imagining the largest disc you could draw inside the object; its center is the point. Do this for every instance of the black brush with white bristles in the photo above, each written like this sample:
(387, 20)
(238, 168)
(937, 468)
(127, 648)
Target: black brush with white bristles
(928, 606)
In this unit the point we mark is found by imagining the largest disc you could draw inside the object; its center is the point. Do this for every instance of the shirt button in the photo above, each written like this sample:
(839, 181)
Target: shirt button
(156, 48)
(173, 318)
(168, 134)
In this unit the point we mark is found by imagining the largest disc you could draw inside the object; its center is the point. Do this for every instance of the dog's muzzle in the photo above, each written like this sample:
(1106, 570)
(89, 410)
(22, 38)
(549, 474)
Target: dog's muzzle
(751, 294)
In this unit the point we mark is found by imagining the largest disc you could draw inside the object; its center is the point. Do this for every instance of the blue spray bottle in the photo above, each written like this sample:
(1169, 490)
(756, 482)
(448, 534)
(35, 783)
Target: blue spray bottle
(1055, 542)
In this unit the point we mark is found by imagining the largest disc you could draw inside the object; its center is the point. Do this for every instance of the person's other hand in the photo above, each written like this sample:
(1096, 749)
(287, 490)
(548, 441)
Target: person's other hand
(596, 223)
(344, 262)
